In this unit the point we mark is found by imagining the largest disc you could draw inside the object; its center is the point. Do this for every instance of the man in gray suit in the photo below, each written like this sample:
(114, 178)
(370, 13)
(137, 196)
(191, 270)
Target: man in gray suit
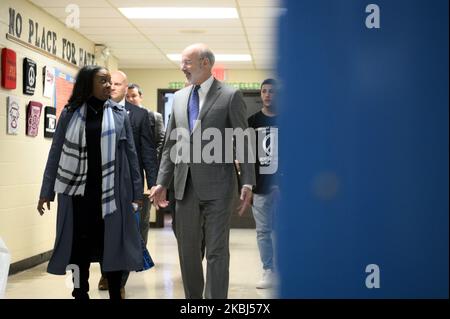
(206, 192)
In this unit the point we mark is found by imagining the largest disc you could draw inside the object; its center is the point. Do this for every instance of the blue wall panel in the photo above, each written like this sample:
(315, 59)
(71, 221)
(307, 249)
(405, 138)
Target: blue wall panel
(364, 149)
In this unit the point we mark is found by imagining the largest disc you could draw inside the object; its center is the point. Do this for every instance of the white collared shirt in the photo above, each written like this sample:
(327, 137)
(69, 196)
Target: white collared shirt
(122, 103)
(204, 89)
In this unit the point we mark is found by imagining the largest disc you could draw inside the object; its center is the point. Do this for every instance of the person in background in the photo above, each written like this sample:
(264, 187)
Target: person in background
(266, 191)
(93, 167)
(135, 96)
(205, 192)
(143, 140)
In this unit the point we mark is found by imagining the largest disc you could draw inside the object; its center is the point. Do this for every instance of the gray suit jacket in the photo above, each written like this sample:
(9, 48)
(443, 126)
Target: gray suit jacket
(223, 108)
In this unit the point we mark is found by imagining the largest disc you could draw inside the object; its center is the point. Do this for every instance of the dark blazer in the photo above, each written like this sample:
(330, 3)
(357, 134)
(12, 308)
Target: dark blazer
(157, 127)
(143, 139)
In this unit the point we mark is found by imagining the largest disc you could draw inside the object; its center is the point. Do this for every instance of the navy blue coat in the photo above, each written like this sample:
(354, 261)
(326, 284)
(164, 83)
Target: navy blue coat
(122, 243)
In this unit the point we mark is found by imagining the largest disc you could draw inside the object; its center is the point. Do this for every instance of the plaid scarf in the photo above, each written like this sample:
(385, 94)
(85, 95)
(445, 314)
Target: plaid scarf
(72, 169)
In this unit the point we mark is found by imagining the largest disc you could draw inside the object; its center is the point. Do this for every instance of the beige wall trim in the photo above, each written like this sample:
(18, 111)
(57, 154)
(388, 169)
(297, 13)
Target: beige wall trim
(30, 262)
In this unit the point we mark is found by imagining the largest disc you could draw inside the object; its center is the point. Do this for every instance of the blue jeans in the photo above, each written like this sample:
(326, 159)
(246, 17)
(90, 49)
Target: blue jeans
(264, 206)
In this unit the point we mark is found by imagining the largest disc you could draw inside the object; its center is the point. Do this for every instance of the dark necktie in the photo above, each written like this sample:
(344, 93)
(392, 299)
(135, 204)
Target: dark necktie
(193, 107)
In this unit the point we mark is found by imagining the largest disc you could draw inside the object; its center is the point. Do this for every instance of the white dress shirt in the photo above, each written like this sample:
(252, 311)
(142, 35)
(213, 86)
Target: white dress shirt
(203, 91)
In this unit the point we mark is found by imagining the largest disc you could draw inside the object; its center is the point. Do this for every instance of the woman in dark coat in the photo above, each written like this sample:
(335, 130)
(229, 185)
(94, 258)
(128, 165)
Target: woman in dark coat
(93, 167)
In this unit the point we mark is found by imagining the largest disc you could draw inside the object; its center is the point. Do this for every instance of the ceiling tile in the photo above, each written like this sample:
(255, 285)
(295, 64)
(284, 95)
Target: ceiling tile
(262, 45)
(266, 32)
(127, 50)
(174, 47)
(264, 55)
(184, 31)
(130, 45)
(104, 22)
(116, 38)
(258, 3)
(138, 55)
(64, 3)
(109, 31)
(260, 12)
(85, 12)
(143, 43)
(257, 22)
(172, 3)
(189, 24)
(198, 38)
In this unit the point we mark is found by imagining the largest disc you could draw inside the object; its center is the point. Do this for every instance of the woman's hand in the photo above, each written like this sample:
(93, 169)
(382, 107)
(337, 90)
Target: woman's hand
(40, 206)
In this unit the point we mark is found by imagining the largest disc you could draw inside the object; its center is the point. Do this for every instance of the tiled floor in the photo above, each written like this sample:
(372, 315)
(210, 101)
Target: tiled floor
(161, 282)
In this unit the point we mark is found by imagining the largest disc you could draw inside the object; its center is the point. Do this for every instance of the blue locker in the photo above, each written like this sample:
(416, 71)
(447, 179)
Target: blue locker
(364, 146)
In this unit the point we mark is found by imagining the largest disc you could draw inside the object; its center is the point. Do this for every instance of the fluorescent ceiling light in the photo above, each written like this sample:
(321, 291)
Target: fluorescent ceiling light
(219, 57)
(179, 13)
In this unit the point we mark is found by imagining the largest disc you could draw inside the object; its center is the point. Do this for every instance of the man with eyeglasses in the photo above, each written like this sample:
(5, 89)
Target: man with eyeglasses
(205, 193)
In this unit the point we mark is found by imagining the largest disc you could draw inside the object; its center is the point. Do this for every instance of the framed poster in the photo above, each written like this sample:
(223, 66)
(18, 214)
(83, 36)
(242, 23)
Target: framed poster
(33, 117)
(29, 76)
(49, 121)
(49, 81)
(8, 69)
(13, 115)
(63, 90)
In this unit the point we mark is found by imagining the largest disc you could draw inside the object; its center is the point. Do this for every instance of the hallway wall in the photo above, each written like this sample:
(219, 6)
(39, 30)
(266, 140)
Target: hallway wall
(22, 158)
(151, 80)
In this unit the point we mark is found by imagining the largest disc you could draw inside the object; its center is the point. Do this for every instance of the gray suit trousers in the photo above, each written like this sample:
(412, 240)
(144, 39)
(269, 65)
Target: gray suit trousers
(210, 219)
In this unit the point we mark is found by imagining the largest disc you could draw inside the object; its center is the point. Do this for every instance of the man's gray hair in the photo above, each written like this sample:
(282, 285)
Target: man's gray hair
(207, 53)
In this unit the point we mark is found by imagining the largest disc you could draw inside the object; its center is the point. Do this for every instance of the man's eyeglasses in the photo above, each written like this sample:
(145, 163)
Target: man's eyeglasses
(189, 62)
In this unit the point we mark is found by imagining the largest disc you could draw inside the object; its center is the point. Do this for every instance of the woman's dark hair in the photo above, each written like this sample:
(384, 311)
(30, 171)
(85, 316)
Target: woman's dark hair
(83, 87)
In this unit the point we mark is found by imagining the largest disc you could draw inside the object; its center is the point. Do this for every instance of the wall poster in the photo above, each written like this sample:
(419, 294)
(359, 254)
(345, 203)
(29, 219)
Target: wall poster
(33, 117)
(49, 81)
(63, 89)
(29, 76)
(8, 69)
(49, 121)
(13, 115)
